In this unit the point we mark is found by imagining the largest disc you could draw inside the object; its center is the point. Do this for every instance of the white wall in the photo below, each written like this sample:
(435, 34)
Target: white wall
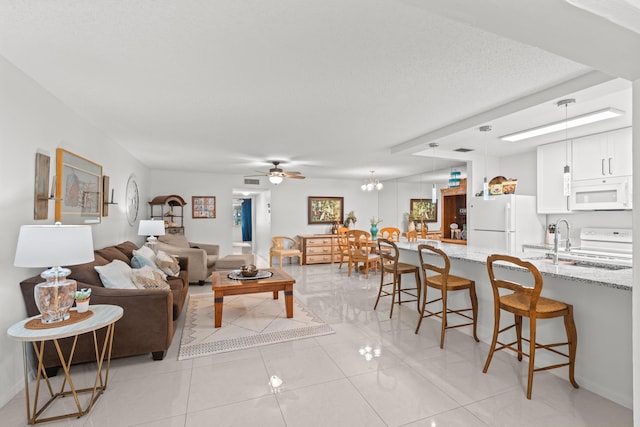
(31, 121)
(288, 205)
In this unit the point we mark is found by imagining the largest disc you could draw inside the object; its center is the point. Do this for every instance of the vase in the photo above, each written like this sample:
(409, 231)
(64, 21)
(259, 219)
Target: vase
(54, 298)
(374, 231)
(82, 306)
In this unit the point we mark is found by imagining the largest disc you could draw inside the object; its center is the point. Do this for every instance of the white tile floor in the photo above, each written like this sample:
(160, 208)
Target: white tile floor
(372, 372)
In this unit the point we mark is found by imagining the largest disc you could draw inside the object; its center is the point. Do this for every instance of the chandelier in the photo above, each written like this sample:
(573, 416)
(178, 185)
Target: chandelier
(372, 184)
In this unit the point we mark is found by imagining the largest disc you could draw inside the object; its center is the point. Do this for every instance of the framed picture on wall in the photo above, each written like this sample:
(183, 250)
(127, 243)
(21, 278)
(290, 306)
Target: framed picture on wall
(203, 207)
(78, 189)
(325, 210)
(424, 210)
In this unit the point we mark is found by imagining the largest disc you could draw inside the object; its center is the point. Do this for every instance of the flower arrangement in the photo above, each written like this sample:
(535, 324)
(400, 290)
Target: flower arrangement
(351, 219)
(375, 221)
(83, 294)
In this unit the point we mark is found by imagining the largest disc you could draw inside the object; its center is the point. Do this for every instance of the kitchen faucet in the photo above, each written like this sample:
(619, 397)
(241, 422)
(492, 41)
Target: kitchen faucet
(555, 239)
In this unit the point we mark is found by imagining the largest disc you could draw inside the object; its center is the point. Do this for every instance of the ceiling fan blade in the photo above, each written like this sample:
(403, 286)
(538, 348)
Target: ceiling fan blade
(295, 176)
(292, 173)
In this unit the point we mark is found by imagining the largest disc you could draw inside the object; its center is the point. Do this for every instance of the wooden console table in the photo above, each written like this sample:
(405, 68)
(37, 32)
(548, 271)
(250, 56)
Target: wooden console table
(319, 248)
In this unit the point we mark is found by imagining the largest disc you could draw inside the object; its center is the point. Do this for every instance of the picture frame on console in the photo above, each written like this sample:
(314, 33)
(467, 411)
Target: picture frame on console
(78, 189)
(325, 210)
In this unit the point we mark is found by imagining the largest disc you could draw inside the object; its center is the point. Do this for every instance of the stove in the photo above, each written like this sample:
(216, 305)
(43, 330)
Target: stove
(610, 246)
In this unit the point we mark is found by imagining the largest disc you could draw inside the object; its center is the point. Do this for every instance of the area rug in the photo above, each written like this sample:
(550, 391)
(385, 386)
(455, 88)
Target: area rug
(247, 321)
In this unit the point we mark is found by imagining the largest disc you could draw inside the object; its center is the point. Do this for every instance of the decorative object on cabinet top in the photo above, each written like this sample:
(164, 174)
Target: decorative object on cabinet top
(170, 217)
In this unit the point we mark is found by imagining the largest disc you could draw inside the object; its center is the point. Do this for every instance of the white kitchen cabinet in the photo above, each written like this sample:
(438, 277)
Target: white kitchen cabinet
(552, 158)
(605, 155)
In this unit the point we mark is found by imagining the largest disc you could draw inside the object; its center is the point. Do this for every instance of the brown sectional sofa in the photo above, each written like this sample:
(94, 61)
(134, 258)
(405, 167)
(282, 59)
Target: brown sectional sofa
(150, 315)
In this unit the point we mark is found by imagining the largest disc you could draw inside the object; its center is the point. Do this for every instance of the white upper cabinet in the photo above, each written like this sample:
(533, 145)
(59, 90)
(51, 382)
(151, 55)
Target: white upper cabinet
(552, 158)
(604, 155)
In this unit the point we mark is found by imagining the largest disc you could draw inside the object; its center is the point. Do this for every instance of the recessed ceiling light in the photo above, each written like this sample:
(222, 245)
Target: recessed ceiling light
(595, 116)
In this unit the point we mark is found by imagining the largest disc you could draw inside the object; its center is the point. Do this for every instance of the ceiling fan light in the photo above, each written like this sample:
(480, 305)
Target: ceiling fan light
(275, 179)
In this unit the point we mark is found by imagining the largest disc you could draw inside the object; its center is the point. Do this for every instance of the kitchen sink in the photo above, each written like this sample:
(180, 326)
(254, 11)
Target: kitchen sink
(594, 263)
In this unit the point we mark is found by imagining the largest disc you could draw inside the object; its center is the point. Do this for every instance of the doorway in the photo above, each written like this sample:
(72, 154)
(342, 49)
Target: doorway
(259, 214)
(242, 224)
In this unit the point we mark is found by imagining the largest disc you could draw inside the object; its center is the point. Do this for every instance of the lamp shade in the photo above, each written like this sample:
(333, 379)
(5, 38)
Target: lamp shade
(54, 245)
(151, 228)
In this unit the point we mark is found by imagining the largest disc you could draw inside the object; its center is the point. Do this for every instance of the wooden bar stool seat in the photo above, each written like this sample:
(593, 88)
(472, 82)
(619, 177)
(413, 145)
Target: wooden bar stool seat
(526, 302)
(389, 254)
(436, 275)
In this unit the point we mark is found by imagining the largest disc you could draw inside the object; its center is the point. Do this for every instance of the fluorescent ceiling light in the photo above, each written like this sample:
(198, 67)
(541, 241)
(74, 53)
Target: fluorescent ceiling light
(596, 116)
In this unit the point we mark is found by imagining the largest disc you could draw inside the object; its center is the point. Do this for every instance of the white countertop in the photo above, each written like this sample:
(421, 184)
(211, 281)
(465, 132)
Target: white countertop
(618, 279)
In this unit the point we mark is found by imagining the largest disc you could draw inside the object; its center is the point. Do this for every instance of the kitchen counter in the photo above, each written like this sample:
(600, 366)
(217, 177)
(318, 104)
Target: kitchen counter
(619, 279)
(602, 309)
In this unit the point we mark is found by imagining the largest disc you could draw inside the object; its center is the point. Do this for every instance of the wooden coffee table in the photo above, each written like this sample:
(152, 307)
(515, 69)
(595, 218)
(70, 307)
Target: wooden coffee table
(222, 285)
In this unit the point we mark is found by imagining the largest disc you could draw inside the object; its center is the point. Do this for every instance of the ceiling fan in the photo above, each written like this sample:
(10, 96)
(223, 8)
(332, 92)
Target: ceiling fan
(277, 174)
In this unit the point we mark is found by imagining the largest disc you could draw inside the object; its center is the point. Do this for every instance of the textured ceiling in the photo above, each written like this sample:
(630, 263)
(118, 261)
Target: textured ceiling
(329, 86)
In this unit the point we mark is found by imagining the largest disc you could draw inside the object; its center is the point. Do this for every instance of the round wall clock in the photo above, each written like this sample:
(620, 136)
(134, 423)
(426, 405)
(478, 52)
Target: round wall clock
(132, 200)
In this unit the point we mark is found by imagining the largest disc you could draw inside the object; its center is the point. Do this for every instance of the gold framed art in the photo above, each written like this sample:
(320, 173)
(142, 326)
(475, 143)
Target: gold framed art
(78, 189)
(325, 210)
(423, 210)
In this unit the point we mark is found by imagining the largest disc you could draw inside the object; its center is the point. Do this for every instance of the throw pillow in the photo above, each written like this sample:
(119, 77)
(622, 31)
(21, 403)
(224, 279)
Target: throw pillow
(145, 251)
(168, 264)
(147, 278)
(139, 261)
(115, 275)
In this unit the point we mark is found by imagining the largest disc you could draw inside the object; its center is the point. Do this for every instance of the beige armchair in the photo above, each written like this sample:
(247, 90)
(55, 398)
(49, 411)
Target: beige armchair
(284, 247)
(202, 256)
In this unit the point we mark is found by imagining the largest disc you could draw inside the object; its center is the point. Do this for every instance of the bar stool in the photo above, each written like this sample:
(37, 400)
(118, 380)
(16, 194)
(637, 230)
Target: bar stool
(527, 302)
(445, 282)
(389, 254)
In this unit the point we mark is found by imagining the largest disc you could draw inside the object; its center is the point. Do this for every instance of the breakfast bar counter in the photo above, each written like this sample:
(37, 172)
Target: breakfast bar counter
(602, 308)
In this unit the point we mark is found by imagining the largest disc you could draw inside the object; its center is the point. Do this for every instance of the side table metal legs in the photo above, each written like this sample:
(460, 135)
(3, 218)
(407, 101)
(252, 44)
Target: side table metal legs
(100, 383)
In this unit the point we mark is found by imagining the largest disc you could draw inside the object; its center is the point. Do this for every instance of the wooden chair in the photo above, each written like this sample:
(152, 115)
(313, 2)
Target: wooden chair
(391, 266)
(362, 251)
(445, 283)
(412, 236)
(527, 302)
(390, 233)
(343, 244)
(284, 247)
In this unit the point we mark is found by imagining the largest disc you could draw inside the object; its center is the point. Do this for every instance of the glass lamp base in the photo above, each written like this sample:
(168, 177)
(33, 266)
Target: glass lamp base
(54, 299)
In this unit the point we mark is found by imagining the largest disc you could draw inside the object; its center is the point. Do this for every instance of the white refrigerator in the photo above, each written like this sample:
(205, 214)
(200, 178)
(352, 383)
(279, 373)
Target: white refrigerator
(504, 223)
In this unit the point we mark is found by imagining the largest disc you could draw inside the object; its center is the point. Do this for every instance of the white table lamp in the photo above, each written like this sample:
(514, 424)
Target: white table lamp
(54, 245)
(152, 229)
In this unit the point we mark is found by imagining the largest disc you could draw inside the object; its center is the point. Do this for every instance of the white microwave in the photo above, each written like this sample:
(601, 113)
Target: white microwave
(602, 194)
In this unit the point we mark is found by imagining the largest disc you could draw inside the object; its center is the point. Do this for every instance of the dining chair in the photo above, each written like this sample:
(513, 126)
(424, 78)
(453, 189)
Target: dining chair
(412, 236)
(343, 244)
(436, 267)
(389, 255)
(361, 250)
(390, 233)
(526, 301)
